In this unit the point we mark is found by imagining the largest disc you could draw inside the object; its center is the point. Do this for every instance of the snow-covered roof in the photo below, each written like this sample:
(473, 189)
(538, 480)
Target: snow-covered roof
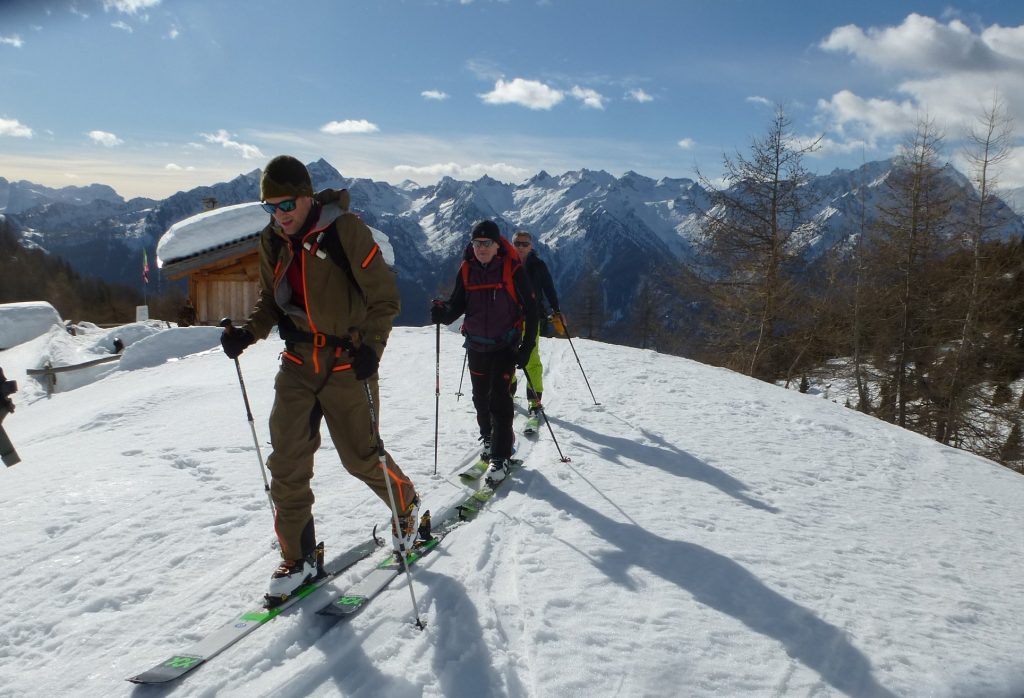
(20, 322)
(211, 230)
(224, 228)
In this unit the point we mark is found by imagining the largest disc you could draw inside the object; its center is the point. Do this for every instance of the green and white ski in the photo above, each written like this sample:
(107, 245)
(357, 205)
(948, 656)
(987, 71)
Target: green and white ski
(352, 600)
(355, 598)
(346, 604)
(198, 653)
(475, 471)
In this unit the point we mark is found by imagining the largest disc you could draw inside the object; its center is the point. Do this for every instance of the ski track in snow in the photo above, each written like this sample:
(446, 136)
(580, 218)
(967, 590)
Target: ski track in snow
(711, 535)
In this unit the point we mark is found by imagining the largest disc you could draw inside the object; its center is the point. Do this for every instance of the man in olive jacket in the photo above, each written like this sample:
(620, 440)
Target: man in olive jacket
(325, 284)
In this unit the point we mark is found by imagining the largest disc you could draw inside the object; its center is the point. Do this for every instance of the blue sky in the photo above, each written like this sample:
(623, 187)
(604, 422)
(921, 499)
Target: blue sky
(155, 96)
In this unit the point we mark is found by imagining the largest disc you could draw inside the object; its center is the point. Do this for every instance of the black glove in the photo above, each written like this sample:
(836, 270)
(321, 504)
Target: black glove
(364, 361)
(235, 340)
(523, 355)
(438, 312)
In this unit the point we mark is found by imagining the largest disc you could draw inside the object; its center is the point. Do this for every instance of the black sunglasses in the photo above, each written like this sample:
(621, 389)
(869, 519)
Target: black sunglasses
(286, 206)
(521, 243)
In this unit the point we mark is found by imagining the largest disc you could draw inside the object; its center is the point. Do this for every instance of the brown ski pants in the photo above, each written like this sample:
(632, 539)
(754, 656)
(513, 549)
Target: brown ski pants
(302, 398)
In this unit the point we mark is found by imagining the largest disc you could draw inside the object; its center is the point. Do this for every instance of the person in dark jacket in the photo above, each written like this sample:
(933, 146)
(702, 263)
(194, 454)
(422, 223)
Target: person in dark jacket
(500, 327)
(187, 316)
(335, 322)
(543, 287)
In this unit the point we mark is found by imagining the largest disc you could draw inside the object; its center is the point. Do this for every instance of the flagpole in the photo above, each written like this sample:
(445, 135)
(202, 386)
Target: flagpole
(145, 277)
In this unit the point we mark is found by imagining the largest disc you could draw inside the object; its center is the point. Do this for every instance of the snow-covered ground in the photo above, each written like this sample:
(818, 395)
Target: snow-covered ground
(711, 536)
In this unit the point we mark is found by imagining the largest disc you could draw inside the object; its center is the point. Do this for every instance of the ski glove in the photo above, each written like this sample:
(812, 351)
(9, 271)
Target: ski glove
(558, 322)
(235, 340)
(523, 355)
(438, 312)
(364, 361)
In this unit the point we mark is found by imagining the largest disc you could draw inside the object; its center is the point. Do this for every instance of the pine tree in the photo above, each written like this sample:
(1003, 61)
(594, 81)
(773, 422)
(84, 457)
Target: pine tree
(907, 241)
(753, 250)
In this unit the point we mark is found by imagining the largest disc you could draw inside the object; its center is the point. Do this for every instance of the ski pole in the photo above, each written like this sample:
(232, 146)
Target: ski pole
(382, 456)
(437, 391)
(462, 375)
(540, 408)
(569, 337)
(228, 327)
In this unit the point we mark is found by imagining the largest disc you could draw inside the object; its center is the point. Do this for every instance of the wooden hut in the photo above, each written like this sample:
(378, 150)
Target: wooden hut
(218, 251)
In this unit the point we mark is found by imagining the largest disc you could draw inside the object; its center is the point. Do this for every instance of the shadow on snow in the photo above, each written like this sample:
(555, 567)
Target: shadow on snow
(719, 583)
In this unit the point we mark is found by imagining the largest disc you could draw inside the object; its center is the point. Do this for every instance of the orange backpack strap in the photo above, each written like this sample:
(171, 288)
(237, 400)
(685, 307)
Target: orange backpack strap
(506, 277)
(510, 263)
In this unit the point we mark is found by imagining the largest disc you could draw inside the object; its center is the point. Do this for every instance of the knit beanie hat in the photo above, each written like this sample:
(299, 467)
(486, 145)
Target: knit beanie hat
(486, 229)
(285, 176)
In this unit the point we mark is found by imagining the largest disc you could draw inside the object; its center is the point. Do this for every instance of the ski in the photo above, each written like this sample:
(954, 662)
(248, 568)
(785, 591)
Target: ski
(532, 425)
(354, 599)
(475, 471)
(346, 604)
(197, 654)
(471, 505)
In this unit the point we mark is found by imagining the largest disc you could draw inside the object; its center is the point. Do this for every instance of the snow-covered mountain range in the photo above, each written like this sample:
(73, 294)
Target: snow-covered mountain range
(622, 228)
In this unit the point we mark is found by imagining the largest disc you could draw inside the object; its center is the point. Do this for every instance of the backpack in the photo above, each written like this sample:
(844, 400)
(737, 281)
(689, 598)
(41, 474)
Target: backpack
(329, 245)
(510, 263)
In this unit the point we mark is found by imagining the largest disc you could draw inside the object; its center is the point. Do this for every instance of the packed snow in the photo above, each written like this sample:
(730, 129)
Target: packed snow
(712, 535)
(20, 322)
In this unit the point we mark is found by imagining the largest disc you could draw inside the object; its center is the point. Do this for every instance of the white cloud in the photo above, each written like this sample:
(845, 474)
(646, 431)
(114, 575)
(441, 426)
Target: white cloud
(590, 98)
(129, 7)
(434, 94)
(757, 99)
(922, 44)
(484, 69)
(105, 138)
(248, 152)
(13, 40)
(944, 70)
(173, 33)
(123, 25)
(499, 170)
(1005, 41)
(527, 93)
(336, 128)
(638, 95)
(14, 128)
(1011, 175)
(868, 118)
(687, 143)
(178, 168)
(818, 146)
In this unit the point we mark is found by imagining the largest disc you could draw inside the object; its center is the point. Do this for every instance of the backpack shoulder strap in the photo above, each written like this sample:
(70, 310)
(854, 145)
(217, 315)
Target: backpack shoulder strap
(507, 272)
(332, 243)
